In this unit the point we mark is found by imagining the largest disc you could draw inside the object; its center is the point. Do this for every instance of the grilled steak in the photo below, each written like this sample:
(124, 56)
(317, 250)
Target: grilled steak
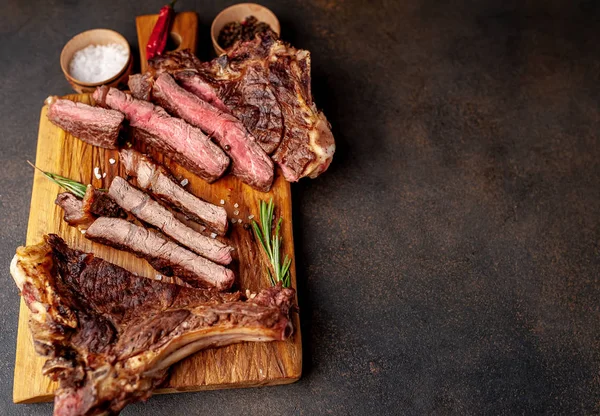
(146, 209)
(156, 180)
(109, 336)
(266, 84)
(140, 86)
(165, 256)
(243, 92)
(248, 161)
(82, 213)
(96, 126)
(74, 215)
(185, 144)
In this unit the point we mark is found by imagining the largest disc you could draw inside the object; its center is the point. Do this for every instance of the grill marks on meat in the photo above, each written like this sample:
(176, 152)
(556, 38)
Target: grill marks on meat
(185, 144)
(146, 209)
(110, 336)
(249, 162)
(156, 180)
(165, 256)
(96, 126)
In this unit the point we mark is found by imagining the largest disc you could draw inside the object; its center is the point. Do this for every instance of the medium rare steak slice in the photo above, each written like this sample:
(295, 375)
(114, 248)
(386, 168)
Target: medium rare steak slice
(109, 336)
(248, 161)
(146, 209)
(187, 145)
(96, 126)
(243, 91)
(156, 180)
(165, 256)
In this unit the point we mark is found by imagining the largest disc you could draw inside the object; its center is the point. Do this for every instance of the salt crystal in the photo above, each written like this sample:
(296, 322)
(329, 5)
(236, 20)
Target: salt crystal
(236, 205)
(236, 212)
(97, 173)
(250, 217)
(213, 235)
(184, 182)
(104, 175)
(222, 202)
(158, 277)
(97, 63)
(240, 221)
(82, 231)
(112, 161)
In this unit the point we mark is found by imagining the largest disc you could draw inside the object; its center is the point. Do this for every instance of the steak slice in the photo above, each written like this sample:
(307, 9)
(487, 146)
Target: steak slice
(165, 256)
(185, 144)
(146, 209)
(109, 336)
(82, 213)
(96, 126)
(156, 180)
(140, 86)
(74, 214)
(248, 161)
(244, 91)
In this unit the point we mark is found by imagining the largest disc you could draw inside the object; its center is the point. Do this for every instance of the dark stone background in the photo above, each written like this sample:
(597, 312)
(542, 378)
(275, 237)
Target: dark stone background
(449, 259)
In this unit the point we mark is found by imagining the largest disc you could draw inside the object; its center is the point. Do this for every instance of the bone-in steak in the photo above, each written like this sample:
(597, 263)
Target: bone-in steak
(94, 125)
(248, 161)
(165, 256)
(109, 337)
(185, 144)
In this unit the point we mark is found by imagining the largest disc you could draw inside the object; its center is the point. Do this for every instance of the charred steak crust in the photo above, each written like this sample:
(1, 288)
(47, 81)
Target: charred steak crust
(185, 144)
(165, 256)
(156, 180)
(94, 125)
(248, 161)
(109, 336)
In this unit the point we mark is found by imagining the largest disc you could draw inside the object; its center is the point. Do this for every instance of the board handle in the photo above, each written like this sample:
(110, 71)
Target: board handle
(184, 33)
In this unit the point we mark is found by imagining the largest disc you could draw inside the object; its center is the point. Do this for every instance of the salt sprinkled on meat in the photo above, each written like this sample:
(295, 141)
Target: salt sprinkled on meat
(97, 63)
(213, 235)
(184, 182)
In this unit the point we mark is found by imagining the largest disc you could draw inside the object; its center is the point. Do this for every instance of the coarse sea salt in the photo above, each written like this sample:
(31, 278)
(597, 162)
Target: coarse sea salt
(97, 63)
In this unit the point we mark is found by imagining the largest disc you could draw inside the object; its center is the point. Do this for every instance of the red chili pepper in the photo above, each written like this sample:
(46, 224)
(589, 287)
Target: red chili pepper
(160, 34)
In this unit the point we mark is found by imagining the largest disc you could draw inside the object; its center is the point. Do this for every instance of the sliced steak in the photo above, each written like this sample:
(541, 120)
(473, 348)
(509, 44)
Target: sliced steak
(74, 215)
(156, 180)
(109, 336)
(96, 126)
(185, 144)
(248, 161)
(82, 213)
(140, 86)
(151, 212)
(165, 256)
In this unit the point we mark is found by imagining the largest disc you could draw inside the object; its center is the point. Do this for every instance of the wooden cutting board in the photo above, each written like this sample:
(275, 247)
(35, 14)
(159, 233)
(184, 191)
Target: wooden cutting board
(240, 365)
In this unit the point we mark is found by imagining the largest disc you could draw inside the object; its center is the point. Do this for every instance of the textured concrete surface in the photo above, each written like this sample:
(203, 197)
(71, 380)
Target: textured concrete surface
(450, 258)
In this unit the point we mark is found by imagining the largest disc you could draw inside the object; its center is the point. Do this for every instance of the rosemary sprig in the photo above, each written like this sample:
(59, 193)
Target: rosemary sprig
(271, 244)
(76, 188)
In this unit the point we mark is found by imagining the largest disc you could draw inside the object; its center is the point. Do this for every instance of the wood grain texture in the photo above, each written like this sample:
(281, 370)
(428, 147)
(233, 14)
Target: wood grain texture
(240, 365)
(185, 27)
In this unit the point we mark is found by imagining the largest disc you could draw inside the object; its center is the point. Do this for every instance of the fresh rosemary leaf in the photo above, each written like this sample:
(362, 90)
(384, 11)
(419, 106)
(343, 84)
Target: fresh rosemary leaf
(270, 240)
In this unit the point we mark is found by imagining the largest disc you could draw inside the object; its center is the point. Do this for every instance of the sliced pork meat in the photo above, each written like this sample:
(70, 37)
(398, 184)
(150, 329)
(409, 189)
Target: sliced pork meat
(248, 161)
(109, 337)
(93, 125)
(185, 144)
(151, 212)
(156, 180)
(165, 256)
